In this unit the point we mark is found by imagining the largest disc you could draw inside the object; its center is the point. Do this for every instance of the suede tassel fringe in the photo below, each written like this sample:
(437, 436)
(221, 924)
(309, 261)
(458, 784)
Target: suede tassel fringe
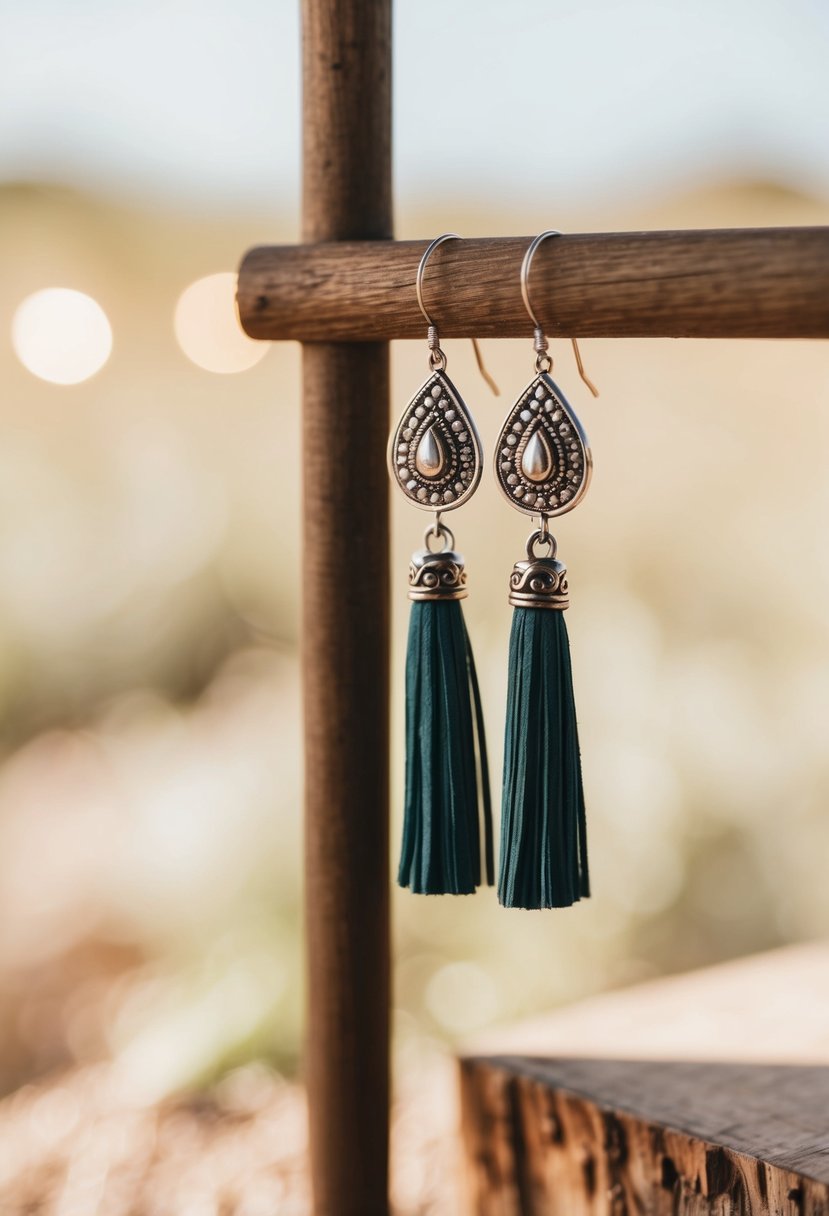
(543, 833)
(447, 781)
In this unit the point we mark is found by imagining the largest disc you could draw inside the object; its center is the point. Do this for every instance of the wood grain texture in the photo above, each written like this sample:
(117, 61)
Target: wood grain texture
(618, 1138)
(346, 195)
(741, 283)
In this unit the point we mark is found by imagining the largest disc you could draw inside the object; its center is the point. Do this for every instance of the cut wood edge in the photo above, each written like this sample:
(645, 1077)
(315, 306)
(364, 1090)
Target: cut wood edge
(537, 1142)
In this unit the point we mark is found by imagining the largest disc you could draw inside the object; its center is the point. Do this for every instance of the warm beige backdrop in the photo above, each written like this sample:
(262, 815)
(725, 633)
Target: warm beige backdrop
(149, 614)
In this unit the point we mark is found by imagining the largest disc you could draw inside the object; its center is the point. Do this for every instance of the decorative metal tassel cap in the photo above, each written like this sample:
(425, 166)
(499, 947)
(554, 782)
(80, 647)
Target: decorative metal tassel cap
(437, 576)
(539, 582)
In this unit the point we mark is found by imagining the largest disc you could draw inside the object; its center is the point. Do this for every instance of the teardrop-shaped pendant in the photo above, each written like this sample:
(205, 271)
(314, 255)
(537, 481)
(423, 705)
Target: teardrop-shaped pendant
(435, 452)
(430, 458)
(542, 459)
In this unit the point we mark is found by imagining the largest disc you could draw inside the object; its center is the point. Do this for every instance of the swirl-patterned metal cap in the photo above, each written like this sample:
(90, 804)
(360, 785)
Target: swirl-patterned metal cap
(437, 576)
(540, 582)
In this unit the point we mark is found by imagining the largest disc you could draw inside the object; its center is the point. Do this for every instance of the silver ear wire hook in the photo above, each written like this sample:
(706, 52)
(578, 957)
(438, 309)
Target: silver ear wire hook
(427, 253)
(437, 358)
(543, 361)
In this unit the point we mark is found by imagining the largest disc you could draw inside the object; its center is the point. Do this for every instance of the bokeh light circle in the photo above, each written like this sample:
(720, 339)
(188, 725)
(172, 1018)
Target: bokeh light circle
(61, 335)
(208, 330)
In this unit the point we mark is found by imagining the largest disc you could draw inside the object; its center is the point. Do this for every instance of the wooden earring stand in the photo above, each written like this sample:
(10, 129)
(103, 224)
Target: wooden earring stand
(344, 294)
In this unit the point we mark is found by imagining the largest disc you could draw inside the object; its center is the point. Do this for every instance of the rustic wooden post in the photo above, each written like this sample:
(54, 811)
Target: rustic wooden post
(346, 196)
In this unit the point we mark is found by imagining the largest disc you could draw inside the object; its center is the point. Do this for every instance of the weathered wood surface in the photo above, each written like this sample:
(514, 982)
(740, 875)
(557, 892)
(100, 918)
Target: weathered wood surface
(740, 283)
(585, 1110)
(618, 1138)
(346, 196)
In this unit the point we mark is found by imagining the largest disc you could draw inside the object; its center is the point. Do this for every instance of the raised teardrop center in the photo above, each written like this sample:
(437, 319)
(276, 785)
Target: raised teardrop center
(430, 456)
(537, 459)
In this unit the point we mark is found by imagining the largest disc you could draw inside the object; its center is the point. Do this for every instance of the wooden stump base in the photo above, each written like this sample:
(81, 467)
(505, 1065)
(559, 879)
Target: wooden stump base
(565, 1137)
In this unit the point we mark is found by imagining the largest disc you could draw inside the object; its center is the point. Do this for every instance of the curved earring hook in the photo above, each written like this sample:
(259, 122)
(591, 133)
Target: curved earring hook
(421, 270)
(437, 359)
(540, 339)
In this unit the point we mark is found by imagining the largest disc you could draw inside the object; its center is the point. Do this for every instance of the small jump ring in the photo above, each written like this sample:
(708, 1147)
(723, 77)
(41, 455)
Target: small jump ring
(439, 531)
(539, 538)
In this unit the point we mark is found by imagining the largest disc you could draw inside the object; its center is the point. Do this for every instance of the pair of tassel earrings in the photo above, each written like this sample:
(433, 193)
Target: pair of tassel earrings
(542, 465)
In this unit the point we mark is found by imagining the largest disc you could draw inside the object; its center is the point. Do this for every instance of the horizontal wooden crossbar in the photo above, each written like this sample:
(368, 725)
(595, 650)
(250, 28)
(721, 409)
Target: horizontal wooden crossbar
(727, 283)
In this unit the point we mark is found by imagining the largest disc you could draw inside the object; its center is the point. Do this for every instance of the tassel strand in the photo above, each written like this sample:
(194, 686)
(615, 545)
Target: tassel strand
(543, 827)
(446, 758)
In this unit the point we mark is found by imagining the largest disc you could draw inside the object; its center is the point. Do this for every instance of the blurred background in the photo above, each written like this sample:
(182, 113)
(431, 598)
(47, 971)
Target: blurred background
(150, 769)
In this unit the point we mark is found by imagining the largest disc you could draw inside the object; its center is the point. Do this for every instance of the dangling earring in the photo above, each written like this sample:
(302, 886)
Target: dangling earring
(543, 465)
(435, 458)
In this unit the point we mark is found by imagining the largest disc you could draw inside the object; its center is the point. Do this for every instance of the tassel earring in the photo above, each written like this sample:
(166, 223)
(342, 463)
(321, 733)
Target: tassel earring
(543, 465)
(435, 458)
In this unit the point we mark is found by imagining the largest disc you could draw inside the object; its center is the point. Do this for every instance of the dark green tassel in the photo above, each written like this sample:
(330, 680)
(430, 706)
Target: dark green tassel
(445, 772)
(543, 831)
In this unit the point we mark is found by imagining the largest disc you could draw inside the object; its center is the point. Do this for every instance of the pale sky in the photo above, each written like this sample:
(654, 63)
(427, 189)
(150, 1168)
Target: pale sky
(197, 101)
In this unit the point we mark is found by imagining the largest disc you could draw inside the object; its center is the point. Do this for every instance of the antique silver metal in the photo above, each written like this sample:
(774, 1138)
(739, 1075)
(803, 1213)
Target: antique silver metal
(525, 272)
(435, 454)
(437, 359)
(438, 575)
(544, 361)
(441, 532)
(421, 270)
(543, 461)
(539, 582)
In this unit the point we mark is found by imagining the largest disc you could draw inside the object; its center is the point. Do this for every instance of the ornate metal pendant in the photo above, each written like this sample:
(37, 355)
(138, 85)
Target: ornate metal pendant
(542, 459)
(435, 452)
